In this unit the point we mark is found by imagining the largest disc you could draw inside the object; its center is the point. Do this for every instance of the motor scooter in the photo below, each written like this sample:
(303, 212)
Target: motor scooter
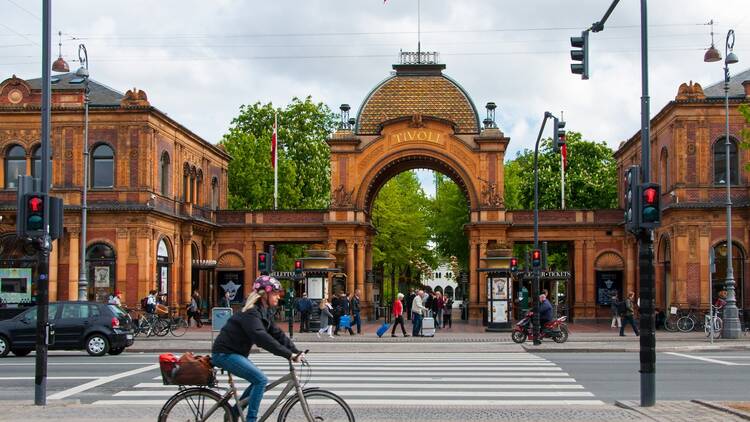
(555, 329)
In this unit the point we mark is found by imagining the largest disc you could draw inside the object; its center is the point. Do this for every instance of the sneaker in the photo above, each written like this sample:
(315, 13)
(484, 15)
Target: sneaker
(393, 335)
(318, 333)
(405, 335)
(330, 336)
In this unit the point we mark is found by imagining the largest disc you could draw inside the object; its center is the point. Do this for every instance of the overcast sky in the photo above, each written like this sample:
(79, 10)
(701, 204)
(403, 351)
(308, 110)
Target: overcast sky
(198, 61)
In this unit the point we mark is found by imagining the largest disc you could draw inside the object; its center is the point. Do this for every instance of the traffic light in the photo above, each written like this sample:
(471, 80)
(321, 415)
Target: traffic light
(298, 269)
(558, 134)
(581, 55)
(32, 214)
(513, 265)
(263, 261)
(536, 258)
(632, 199)
(650, 209)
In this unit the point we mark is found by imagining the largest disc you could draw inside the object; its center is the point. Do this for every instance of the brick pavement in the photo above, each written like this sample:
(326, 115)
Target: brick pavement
(680, 411)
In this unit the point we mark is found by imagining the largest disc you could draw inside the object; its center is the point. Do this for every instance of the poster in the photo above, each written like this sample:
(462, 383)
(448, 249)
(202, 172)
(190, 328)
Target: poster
(315, 288)
(15, 285)
(163, 279)
(230, 282)
(499, 288)
(101, 277)
(500, 311)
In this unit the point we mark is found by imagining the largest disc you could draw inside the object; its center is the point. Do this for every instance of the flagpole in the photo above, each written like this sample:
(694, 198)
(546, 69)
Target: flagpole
(562, 179)
(275, 162)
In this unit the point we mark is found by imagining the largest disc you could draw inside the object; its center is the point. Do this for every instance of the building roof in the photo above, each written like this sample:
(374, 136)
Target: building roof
(420, 89)
(735, 86)
(100, 94)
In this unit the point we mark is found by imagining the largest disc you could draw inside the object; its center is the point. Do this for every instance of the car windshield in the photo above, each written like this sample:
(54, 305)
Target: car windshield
(118, 311)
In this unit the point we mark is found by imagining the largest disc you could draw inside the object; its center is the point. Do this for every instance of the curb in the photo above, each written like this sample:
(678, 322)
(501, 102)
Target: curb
(722, 408)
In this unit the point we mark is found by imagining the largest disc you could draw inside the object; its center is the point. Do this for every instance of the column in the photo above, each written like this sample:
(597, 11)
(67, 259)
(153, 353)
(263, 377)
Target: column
(121, 254)
(578, 279)
(368, 267)
(473, 281)
(251, 261)
(187, 266)
(73, 258)
(483, 277)
(589, 282)
(146, 279)
(360, 266)
(350, 270)
(53, 262)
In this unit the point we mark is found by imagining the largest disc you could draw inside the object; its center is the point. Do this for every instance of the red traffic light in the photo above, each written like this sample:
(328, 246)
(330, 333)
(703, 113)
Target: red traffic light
(536, 254)
(649, 196)
(262, 257)
(514, 262)
(298, 265)
(36, 204)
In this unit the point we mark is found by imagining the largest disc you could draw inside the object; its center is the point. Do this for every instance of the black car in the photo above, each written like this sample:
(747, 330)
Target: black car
(98, 328)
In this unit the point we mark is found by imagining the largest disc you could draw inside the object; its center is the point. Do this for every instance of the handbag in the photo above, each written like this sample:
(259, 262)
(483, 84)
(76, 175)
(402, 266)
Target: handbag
(194, 370)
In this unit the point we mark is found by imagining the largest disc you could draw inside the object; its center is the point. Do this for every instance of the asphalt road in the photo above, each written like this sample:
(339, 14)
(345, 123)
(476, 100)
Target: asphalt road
(583, 376)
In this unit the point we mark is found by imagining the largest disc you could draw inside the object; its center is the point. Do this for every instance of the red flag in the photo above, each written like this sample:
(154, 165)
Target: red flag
(273, 145)
(564, 152)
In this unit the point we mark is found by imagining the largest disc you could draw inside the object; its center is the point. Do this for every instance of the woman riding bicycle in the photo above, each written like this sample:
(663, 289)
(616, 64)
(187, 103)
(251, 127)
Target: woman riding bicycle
(253, 326)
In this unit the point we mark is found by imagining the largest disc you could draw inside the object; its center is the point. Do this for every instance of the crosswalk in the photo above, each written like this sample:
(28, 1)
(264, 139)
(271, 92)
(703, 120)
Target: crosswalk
(425, 379)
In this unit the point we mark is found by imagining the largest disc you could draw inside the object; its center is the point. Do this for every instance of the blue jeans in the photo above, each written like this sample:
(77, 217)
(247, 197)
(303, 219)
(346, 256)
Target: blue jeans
(358, 322)
(416, 320)
(242, 367)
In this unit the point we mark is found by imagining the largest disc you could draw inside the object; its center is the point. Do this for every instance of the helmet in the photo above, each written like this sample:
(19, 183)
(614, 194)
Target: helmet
(266, 283)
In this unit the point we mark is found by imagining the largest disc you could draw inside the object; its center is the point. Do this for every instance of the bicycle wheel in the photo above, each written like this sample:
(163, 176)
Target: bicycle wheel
(178, 327)
(195, 404)
(324, 407)
(161, 327)
(671, 323)
(685, 324)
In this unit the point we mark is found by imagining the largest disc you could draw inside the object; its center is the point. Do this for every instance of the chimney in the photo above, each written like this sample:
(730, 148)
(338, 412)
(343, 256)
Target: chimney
(746, 85)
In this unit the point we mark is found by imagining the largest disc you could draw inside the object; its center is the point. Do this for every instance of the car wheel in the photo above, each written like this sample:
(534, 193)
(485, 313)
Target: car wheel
(97, 345)
(4, 347)
(116, 351)
(21, 352)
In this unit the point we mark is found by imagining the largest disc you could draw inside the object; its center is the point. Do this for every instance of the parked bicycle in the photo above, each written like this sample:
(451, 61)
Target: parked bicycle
(205, 404)
(689, 322)
(712, 323)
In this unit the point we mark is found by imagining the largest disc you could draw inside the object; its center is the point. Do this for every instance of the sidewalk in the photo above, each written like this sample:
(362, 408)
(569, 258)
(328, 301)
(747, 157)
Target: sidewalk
(583, 338)
(668, 411)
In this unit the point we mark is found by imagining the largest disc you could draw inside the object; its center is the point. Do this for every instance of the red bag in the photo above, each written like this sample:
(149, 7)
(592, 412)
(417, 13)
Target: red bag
(167, 364)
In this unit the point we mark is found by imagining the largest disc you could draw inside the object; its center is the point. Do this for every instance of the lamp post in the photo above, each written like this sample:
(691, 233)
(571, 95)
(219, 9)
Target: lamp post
(83, 76)
(731, 327)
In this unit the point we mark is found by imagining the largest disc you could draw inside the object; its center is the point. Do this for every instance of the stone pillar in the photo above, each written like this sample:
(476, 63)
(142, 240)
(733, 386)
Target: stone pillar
(146, 278)
(589, 282)
(368, 267)
(186, 271)
(251, 261)
(482, 278)
(361, 274)
(350, 266)
(53, 262)
(121, 263)
(474, 311)
(74, 236)
(578, 279)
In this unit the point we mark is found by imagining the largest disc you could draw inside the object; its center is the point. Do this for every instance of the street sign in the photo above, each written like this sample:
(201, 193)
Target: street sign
(219, 318)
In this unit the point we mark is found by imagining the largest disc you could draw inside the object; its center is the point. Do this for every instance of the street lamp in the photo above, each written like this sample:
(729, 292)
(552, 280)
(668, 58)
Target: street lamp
(731, 327)
(83, 77)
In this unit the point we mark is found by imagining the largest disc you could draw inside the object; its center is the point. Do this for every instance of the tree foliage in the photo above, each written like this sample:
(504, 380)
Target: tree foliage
(399, 215)
(590, 177)
(448, 212)
(304, 157)
(745, 111)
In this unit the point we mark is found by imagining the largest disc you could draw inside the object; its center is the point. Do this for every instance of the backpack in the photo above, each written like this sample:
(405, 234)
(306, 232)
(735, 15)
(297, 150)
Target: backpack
(144, 302)
(622, 309)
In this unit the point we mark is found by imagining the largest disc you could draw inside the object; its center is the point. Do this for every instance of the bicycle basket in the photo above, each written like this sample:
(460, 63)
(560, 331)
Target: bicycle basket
(193, 370)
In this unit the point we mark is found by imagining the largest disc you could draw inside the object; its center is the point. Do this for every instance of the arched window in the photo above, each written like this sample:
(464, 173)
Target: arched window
(449, 292)
(664, 170)
(15, 165)
(198, 187)
(719, 275)
(103, 167)
(100, 259)
(164, 176)
(214, 193)
(163, 267)
(720, 161)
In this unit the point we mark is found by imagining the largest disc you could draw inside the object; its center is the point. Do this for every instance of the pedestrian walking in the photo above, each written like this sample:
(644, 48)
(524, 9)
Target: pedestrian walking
(416, 313)
(627, 318)
(326, 317)
(409, 301)
(304, 307)
(398, 314)
(616, 321)
(447, 312)
(194, 309)
(115, 299)
(356, 311)
(344, 309)
(439, 307)
(225, 302)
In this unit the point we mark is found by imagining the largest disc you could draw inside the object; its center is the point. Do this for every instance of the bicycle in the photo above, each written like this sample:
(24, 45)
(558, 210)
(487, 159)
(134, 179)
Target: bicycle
(712, 323)
(204, 404)
(688, 322)
(177, 325)
(150, 325)
(671, 323)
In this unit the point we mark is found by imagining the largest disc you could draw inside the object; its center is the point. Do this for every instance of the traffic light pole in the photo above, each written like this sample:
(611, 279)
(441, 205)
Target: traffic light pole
(645, 244)
(535, 268)
(42, 285)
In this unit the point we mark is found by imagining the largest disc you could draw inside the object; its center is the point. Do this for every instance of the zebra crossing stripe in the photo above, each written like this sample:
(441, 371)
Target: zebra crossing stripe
(401, 402)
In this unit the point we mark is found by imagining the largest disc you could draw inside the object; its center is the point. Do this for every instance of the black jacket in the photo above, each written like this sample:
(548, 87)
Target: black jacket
(253, 327)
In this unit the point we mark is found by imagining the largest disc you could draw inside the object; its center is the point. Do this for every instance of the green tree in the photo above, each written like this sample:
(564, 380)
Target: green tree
(448, 212)
(399, 215)
(745, 111)
(304, 158)
(590, 177)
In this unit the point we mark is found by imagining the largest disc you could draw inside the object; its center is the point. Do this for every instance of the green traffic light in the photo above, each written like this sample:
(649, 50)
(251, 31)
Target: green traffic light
(34, 222)
(650, 214)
